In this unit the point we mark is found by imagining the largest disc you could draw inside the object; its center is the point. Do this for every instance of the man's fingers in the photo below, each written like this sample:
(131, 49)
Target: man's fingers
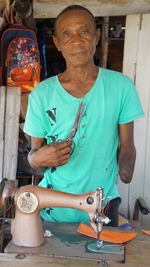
(63, 147)
(64, 144)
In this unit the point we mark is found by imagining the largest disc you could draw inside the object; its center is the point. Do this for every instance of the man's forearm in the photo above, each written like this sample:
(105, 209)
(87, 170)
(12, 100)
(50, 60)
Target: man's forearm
(126, 163)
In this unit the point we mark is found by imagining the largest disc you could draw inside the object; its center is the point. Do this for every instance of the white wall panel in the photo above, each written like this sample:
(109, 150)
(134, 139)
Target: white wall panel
(137, 66)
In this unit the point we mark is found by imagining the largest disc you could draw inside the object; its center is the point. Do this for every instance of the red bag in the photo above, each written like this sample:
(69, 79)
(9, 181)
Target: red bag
(19, 57)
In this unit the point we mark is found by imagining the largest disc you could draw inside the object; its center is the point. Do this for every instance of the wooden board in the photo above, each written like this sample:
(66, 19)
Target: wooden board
(51, 8)
(143, 141)
(137, 254)
(2, 4)
(9, 125)
(133, 24)
(2, 112)
(136, 66)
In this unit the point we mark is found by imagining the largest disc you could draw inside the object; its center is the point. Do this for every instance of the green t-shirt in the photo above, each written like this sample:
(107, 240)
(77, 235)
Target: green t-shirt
(51, 112)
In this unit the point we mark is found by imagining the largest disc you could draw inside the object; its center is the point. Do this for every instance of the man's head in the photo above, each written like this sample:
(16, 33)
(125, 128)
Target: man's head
(76, 35)
(70, 8)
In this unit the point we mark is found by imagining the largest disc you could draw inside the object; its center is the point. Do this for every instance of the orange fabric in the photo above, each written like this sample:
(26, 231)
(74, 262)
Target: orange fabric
(108, 236)
(147, 232)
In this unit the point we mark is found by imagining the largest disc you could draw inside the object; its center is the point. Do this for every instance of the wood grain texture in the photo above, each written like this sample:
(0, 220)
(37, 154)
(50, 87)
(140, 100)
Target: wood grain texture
(9, 124)
(51, 8)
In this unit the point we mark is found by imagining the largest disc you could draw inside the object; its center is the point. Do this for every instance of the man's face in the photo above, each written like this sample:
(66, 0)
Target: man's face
(76, 37)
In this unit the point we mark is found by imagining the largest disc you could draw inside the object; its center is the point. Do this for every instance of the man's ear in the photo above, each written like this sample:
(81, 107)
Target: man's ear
(98, 34)
(55, 40)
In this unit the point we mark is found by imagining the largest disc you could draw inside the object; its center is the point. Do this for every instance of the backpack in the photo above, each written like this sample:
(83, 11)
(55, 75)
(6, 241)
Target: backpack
(19, 56)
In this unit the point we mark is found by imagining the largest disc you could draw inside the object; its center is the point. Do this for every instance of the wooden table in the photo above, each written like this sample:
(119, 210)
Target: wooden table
(137, 254)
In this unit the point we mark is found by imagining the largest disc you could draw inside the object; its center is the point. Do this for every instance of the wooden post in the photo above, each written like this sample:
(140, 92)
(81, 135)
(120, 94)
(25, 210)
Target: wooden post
(7, 5)
(104, 43)
(2, 112)
(9, 131)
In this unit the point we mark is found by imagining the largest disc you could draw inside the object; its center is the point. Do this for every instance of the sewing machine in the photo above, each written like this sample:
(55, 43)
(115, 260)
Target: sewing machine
(26, 227)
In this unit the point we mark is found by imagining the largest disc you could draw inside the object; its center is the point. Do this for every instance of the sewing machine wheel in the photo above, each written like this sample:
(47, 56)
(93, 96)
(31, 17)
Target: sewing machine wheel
(7, 189)
(107, 248)
(6, 203)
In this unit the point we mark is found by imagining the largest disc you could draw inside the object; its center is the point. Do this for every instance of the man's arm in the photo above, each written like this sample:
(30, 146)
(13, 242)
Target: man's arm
(52, 155)
(127, 152)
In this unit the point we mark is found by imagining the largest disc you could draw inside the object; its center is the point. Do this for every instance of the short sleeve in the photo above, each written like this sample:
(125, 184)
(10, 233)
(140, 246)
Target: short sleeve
(131, 108)
(34, 123)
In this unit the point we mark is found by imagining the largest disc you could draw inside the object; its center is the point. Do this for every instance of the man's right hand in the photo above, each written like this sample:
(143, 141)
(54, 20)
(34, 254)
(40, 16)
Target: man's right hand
(50, 155)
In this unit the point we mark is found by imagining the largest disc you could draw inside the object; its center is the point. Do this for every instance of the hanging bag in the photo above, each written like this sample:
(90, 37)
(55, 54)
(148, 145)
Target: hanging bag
(19, 55)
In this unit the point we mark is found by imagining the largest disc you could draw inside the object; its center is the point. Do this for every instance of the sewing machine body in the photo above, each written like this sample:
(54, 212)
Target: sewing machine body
(26, 227)
(29, 200)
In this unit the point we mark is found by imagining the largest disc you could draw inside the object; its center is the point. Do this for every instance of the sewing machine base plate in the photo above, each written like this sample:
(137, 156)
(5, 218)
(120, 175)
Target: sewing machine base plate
(67, 243)
(106, 248)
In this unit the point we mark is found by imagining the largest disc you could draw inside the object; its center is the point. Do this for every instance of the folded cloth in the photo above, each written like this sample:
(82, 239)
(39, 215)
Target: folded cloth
(123, 221)
(108, 236)
(147, 232)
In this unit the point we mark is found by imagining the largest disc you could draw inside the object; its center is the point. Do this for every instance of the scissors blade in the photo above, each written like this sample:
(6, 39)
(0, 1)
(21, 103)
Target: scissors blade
(79, 115)
(77, 120)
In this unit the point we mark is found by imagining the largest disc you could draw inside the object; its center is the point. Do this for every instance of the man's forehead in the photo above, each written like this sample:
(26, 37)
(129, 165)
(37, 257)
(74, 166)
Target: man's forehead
(71, 16)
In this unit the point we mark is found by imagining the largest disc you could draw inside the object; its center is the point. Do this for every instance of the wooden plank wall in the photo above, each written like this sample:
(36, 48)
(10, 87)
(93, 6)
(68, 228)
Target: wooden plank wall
(9, 129)
(2, 113)
(136, 66)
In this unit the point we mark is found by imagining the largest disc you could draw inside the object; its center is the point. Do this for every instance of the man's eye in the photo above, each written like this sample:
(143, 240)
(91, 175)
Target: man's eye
(83, 32)
(67, 34)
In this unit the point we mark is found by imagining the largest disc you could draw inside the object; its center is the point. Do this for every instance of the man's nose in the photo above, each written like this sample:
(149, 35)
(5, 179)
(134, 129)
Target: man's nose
(76, 38)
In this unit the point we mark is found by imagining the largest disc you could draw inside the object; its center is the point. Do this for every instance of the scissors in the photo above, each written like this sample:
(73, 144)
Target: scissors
(71, 135)
(79, 115)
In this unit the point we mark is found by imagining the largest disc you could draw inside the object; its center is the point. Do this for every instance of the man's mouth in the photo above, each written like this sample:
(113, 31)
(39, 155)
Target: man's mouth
(77, 52)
